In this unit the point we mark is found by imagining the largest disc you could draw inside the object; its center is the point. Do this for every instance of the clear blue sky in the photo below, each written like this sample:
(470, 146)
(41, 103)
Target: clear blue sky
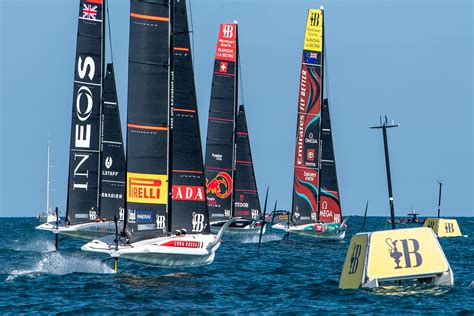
(411, 60)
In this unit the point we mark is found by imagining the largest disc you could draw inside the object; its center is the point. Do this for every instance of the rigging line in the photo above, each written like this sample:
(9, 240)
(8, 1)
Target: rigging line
(110, 33)
(192, 28)
(241, 81)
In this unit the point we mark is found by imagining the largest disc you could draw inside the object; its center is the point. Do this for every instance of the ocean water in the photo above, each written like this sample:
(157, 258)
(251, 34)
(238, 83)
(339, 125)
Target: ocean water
(294, 276)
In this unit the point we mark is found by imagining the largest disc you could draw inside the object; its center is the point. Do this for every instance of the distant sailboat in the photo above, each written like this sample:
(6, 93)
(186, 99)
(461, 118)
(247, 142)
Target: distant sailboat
(230, 177)
(167, 222)
(96, 183)
(48, 216)
(316, 210)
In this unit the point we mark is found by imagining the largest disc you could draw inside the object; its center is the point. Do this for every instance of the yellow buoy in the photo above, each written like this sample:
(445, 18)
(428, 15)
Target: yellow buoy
(443, 227)
(392, 256)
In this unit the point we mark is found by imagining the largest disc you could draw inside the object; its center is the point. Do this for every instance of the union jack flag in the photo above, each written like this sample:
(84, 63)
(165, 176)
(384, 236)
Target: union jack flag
(89, 12)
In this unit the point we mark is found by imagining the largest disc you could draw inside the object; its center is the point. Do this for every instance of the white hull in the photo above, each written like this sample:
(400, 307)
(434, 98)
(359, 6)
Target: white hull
(86, 231)
(47, 217)
(245, 231)
(167, 252)
(308, 230)
(173, 251)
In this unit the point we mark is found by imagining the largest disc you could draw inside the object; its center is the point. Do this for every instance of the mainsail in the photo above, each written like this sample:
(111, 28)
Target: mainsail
(112, 180)
(220, 144)
(246, 203)
(307, 155)
(330, 206)
(163, 142)
(188, 192)
(84, 159)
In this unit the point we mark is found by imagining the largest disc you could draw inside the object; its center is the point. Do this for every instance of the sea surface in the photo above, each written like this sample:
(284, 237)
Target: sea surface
(291, 276)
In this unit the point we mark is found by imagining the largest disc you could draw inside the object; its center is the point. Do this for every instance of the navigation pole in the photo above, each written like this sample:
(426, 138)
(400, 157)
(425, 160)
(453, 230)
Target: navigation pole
(384, 127)
(439, 198)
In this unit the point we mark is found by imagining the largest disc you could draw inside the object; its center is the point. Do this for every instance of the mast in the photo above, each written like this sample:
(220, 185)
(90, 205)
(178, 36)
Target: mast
(439, 198)
(48, 201)
(323, 50)
(236, 102)
(384, 128)
(170, 111)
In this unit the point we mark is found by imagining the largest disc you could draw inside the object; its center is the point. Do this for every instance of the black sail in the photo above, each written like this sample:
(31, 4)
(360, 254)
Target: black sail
(84, 160)
(247, 204)
(148, 119)
(189, 208)
(330, 206)
(112, 191)
(219, 166)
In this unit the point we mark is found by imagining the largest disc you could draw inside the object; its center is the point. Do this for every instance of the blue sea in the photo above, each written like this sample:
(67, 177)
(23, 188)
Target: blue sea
(294, 276)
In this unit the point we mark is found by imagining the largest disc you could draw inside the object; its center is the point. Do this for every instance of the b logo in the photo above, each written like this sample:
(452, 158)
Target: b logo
(431, 225)
(355, 259)
(121, 214)
(254, 214)
(160, 222)
(228, 31)
(314, 19)
(449, 227)
(397, 255)
(198, 222)
(227, 213)
(92, 215)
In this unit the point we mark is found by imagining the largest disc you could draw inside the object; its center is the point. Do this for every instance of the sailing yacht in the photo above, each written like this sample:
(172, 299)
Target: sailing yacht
(230, 178)
(316, 209)
(47, 216)
(96, 185)
(167, 221)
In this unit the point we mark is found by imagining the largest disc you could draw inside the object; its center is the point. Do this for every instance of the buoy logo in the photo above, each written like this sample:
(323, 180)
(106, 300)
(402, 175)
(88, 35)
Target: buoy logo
(108, 162)
(221, 185)
(355, 259)
(407, 254)
(449, 227)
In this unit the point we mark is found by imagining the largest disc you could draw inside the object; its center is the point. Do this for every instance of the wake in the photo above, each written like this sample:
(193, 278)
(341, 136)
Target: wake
(55, 263)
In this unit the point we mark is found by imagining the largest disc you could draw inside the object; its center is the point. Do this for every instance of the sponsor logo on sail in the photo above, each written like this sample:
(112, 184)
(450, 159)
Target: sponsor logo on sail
(161, 222)
(241, 204)
(226, 43)
(188, 193)
(217, 157)
(144, 216)
(147, 188)
(221, 185)
(310, 153)
(108, 162)
(313, 40)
